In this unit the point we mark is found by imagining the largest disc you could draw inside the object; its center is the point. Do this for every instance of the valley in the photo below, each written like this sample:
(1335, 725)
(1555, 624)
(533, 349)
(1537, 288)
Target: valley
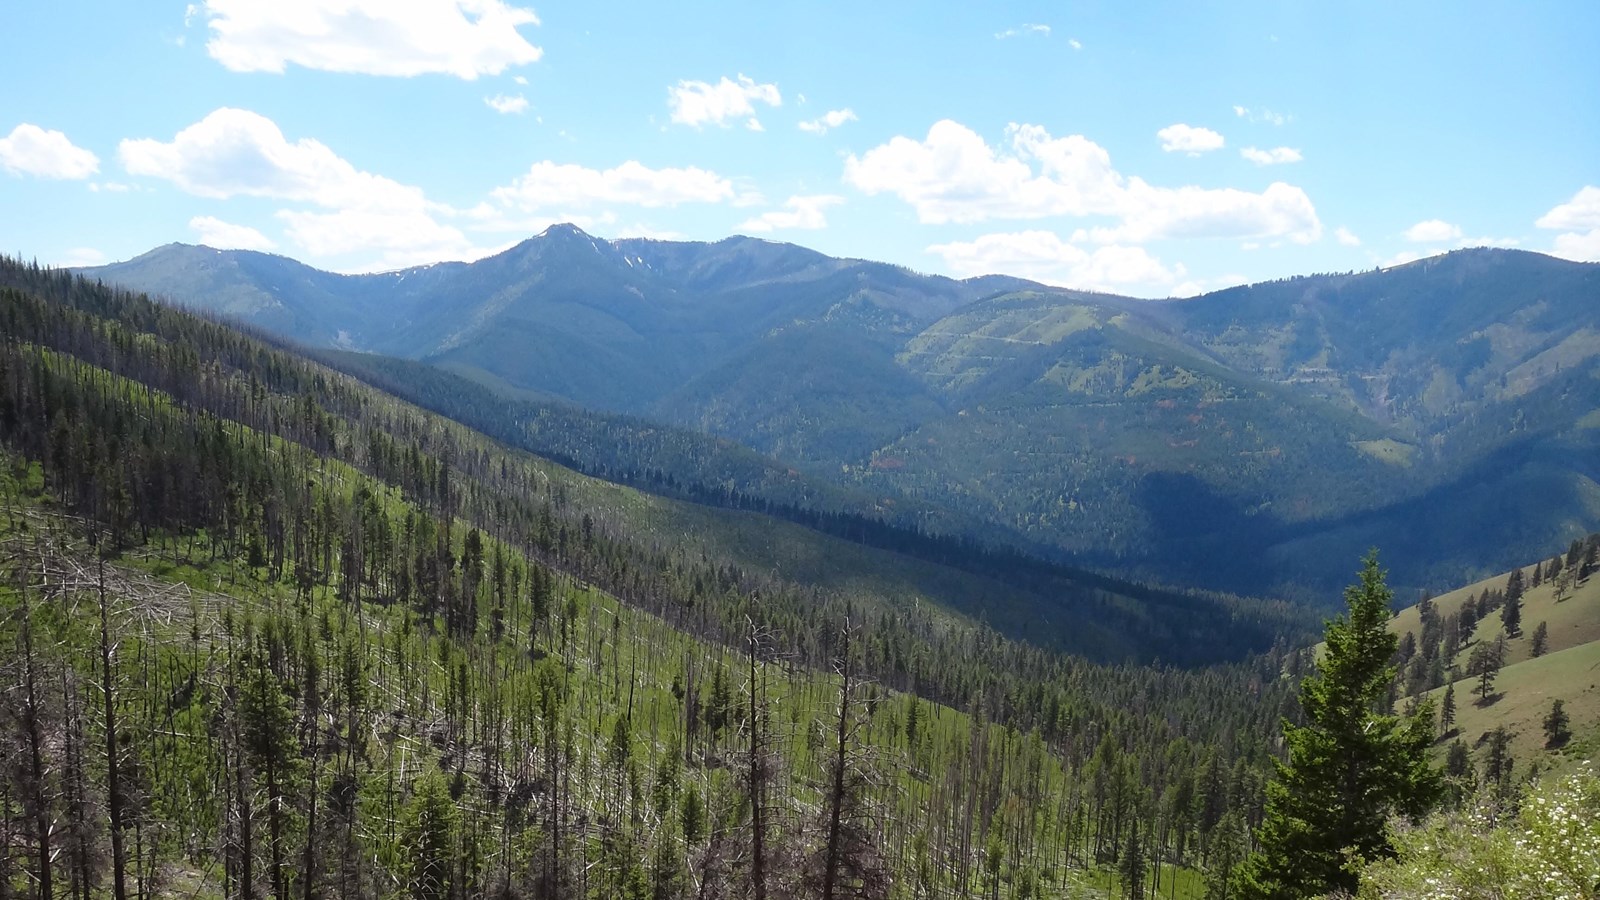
(1247, 441)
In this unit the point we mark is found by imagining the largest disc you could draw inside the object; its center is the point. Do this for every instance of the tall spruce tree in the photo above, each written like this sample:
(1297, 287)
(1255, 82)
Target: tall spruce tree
(1351, 765)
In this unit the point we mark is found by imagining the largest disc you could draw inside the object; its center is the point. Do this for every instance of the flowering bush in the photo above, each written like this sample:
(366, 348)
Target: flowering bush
(1549, 851)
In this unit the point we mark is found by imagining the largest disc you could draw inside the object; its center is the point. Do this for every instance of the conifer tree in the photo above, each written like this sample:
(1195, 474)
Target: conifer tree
(1556, 730)
(1447, 711)
(1350, 767)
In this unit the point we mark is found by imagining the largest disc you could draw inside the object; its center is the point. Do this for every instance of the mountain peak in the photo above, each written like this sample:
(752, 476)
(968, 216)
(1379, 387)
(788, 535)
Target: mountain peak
(564, 230)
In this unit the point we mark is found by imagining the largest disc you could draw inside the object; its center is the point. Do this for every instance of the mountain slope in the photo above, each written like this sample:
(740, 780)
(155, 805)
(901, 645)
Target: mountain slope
(1248, 440)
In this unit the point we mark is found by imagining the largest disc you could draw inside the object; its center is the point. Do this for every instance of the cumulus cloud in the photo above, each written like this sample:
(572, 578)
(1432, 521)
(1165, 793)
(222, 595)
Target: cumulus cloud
(31, 150)
(1074, 43)
(1579, 218)
(953, 175)
(1026, 30)
(548, 185)
(1181, 138)
(1346, 237)
(698, 103)
(828, 121)
(1432, 231)
(463, 38)
(238, 153)
(1275, 156)
(507, 104)
(798, 212)
(214, 232)
(1044, 256)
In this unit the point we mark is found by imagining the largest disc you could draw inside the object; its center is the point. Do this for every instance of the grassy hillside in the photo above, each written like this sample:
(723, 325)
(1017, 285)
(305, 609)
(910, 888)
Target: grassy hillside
(1567, 670)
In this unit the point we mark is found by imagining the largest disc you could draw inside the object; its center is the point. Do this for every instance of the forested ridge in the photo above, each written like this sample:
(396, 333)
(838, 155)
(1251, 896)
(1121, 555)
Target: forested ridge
(278, 634)
(1299, 421)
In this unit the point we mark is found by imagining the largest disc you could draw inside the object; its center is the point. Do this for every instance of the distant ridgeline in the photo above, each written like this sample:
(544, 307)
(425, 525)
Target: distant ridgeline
(1251, 440)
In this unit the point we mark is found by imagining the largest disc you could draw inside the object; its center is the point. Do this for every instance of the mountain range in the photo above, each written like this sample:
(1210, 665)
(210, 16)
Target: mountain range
(1254, 439)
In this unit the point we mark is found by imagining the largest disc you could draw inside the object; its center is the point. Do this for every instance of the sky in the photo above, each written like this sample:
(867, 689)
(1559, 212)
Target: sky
(1152, 149)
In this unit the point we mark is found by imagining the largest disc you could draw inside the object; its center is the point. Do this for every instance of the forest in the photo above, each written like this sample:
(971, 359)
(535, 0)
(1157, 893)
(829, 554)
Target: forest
(271, 632)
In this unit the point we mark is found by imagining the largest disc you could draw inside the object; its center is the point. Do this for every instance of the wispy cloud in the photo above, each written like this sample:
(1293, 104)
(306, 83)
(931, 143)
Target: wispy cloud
(507, 104)
(828, 121)
(1026, 30)
(1273, 157)
(1262, 115)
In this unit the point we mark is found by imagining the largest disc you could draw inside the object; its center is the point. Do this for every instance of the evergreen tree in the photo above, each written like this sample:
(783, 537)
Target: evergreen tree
(1511, 614)
(1447, 711)
(1350, 767)
(1541, 640)
(1485, 664)
(1556, 731)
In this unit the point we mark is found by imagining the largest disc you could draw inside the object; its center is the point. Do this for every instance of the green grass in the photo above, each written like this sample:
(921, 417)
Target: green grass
(1523, 694)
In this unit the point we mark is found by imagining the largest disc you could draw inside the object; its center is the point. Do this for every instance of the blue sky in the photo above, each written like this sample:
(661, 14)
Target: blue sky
(1144, 148)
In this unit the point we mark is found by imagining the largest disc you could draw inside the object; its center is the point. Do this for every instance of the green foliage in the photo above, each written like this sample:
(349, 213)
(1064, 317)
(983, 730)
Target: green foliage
(428, 839)
(365, 651)
(1548, 848)
(1351, 765)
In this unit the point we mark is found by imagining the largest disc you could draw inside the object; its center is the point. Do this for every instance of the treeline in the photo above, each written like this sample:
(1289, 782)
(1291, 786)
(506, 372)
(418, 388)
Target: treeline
(410, 688)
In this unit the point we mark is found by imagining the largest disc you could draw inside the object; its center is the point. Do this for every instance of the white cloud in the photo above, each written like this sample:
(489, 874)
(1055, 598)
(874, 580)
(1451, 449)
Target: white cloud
(1027, 30)
(111, 187)
(1346, 237)
(753, 124)
(464, 38)
(1581, 212)
(828, 121)
(222, 235)
(548, 185)
(1261, 115)
(31, 150)
(955, 176)
(1275, 156)
(520, 79)
(1579, 218)
(1043, 256)
(1432, 231)
(507, 104)
(1181, 138)
(80, 256)
(1074, 43)
(797, 212)
(698, 103)
(1579, 247)
(237, 153)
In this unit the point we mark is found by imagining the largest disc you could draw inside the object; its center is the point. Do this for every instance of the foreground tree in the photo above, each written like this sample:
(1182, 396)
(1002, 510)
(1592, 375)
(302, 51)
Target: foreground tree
(1351, 766)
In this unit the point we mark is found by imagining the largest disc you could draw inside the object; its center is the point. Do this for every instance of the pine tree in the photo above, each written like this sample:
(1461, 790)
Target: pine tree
(1485, 664)
(1556, 731)
(1350, 767)
(1541, 640)
(1447, 711)
(1511, 614)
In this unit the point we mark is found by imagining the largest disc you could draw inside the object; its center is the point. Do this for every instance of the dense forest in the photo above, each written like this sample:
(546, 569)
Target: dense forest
(278, 634)
(272, 632)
